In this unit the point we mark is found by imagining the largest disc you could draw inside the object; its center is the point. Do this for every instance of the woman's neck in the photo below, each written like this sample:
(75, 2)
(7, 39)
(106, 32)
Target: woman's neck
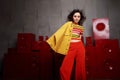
(75, 23)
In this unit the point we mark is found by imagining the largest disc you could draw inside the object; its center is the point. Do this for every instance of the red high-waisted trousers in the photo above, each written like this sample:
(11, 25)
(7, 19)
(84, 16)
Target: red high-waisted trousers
(76, 52)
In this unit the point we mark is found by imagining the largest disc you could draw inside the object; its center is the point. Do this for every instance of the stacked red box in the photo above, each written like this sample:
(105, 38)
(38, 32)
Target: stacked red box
(41, 54)
(37, 65)
(41, 38)
(42, 57)
(91, 62)
(24, 42)
(108, 65)
(89, 41)
(46, 65)
(20, 67)
(12, 50)
(46, 38)
(36, 46)
(107, 42)
(107, 58)
(40, 46)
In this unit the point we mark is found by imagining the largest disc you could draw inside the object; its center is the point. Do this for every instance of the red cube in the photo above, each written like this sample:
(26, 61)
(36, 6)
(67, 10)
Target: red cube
(24, 42)
(89, 41)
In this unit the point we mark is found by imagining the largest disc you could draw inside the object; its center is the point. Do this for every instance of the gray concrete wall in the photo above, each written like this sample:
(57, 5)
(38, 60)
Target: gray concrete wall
(44, 17)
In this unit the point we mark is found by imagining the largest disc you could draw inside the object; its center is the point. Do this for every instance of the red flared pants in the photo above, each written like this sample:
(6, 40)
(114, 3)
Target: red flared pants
(76, 52)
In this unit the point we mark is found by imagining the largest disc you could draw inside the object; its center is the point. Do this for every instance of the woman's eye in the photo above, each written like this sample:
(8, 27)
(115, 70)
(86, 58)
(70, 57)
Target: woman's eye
(77, 16)
(74, 16)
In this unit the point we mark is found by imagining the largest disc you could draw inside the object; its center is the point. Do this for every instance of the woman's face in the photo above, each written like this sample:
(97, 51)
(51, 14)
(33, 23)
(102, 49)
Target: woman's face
(76, 17)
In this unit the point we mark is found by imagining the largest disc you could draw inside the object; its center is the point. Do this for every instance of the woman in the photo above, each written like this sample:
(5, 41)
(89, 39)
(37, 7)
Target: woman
(67, 41)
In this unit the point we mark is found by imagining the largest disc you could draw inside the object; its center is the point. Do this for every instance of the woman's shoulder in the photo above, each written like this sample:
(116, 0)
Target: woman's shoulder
(68, 22)
(81, 27)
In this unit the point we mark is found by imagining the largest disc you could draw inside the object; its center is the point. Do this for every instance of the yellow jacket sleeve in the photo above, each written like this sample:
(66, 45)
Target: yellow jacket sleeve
(56, 40)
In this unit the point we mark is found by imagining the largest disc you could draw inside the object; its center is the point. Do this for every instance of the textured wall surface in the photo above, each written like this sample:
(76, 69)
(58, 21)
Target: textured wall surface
(44, 17)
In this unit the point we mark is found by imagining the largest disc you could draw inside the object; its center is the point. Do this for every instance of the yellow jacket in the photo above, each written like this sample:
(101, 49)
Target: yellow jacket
(60, 40)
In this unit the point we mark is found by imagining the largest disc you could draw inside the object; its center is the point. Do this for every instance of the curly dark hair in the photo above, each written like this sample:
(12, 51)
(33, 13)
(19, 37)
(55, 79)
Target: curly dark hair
(70, 16)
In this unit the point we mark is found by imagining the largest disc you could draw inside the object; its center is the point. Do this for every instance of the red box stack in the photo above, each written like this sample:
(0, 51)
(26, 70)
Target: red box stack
(91, 61)
(107, 51)
(89, 41)
(24, 42)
